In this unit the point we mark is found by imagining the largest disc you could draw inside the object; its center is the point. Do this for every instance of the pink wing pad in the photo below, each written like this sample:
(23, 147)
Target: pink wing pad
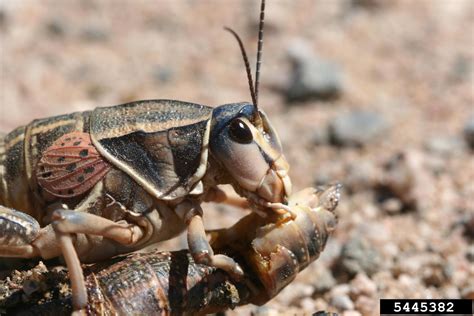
(71, 166)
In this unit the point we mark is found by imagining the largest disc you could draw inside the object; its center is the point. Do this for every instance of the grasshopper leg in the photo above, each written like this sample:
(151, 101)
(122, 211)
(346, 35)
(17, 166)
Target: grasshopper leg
(18, 230)
(67, 222)
(199, 246)
(219, 196)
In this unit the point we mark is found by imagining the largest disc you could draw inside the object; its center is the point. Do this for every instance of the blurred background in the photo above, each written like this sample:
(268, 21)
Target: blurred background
(377, 95)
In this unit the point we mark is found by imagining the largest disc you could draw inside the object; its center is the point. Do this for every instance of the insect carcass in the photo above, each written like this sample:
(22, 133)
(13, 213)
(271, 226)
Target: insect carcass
(95, 184)
(272, 251)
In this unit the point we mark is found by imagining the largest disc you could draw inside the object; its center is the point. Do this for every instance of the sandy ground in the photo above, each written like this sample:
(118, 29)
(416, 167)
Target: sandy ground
(407, 215)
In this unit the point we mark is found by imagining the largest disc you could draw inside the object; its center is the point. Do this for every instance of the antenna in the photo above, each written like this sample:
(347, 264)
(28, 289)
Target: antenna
(259, 50)
(247, 65)
(253, 88)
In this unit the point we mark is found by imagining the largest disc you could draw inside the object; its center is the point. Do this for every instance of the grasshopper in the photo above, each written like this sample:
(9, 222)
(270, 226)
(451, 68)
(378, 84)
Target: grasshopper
(113, 180)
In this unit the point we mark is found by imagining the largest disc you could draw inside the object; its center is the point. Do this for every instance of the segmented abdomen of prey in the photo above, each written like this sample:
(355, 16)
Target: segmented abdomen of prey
(159, 283)
(283, 251)
(71, 166)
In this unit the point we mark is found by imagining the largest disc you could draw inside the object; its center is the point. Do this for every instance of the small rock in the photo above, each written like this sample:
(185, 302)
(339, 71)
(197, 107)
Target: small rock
(361, 175)
(56, 28)
(324, 313)
(468, 292)
(312, 77)
(94, 34)
(368, 4)
(469, 132)
(324, 281)
(3, 19)
(444, 145)
(470, 253)
(367, 305)
(437, 273)
(466, 222)
(342, 302)
(308, 304)
(359, 256)
(357, 128)
(265, 311)
(320, 136)
(451, 291)
(293, 294)
(362, 285)
(407, 178)
(340, 289)
(162, 74)
(320, 304)
(351, 313)
(461, 69)
(392, 205)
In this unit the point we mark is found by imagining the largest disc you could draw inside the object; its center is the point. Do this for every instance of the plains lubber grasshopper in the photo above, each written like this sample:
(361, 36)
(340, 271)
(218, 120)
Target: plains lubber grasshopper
(95, 184)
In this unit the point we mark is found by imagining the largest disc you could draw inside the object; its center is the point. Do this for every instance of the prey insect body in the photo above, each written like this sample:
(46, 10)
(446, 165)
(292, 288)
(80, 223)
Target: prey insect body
(272, 252)
(95, 184)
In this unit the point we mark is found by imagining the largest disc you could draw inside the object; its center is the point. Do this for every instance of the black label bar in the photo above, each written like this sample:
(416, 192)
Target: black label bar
(402, 306)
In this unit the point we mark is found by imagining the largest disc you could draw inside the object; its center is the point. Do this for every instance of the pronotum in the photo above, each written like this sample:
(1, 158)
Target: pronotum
(95, 184)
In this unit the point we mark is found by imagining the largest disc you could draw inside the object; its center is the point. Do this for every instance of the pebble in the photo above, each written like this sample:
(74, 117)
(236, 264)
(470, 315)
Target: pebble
(162, 74)
(312, 78)
(469, 132)
(264, 311)
(470, 253)
(461, 70)
(56, 28)
(468, 292)
(467, 224)
(94, 34)
(291, 295)
(392, 205)
(444, 145)
(367, 305)
(342, 302)
(368, 4)
(362, 285)
(351, 313)
(324, 313)
(323, 281)
(320, 136)
(308, 304)
(357, 256)
(361, 175)
(451, 291)
(357, 128)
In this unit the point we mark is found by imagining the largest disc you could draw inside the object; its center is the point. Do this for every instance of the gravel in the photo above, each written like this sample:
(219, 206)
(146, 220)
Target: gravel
(359, 255)
(409, 192)
(357, 128)
(469, 132)
(312, 77)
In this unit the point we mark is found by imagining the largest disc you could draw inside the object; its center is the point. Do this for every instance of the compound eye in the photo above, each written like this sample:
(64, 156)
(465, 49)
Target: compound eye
(240, 132)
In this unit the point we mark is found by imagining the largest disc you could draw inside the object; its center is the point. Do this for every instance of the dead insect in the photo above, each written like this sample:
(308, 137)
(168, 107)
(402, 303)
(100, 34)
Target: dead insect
(273, 250)
(113, 180)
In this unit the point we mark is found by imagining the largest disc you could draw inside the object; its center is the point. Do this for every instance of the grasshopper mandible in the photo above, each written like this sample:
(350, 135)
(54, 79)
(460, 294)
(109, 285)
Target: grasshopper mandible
(113, 180)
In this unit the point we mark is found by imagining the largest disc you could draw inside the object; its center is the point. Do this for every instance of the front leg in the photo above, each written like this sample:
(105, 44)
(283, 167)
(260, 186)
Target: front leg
(217, 195)
(67, 222)
(199, 247)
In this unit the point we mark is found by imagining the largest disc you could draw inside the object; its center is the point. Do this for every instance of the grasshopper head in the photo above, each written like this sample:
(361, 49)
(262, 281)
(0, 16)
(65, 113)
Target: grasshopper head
(245, 143)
